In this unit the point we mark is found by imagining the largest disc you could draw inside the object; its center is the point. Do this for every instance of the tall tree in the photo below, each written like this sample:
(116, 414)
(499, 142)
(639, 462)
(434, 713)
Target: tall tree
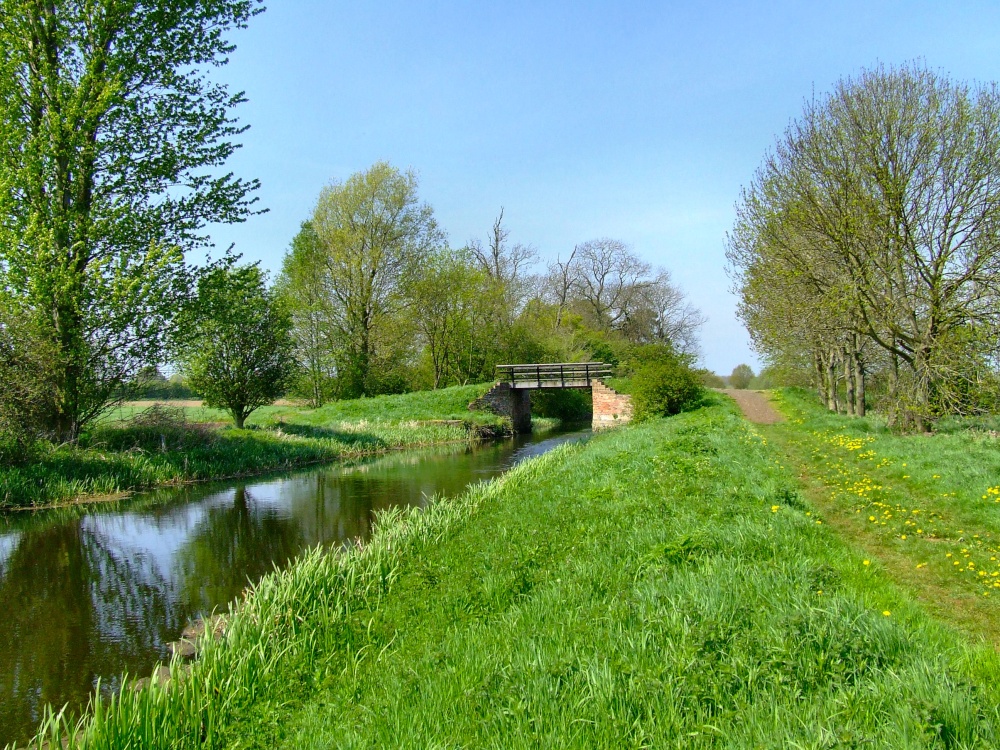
(110, 137)
(375, 233)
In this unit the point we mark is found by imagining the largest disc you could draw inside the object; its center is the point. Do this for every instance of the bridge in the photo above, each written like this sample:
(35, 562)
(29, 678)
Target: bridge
(559, 375)
(511, 394)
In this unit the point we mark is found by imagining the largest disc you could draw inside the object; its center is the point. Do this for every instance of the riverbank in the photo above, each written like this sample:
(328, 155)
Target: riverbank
(663, 584)
(138, 448)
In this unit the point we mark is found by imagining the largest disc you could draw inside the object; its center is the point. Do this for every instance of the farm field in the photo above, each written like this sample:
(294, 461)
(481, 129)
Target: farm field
(664, 585)
(925, 507)
(138, 447)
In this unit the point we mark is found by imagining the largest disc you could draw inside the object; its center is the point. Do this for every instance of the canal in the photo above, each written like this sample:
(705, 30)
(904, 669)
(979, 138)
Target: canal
(90, 593)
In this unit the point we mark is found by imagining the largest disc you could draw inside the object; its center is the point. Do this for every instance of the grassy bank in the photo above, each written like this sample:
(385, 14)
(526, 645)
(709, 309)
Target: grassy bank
(137, 449)
(660, 586)
(926, 506)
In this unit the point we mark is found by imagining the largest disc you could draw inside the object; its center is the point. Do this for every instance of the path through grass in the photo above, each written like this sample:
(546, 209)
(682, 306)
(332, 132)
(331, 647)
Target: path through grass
(926, 507)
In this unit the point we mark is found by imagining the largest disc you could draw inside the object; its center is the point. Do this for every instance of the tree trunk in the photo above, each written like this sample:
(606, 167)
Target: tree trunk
(859, 380)
(831, 381)
(849, 381)
(820, 380)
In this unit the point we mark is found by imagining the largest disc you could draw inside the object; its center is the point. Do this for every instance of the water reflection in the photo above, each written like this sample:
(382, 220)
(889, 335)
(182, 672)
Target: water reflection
(93, 593)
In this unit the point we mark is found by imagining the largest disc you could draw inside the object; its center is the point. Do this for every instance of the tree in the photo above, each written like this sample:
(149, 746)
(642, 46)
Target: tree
(447, 301)
(375, 233)
(882, 200)
(304, 289)
(613, 291)
(110, 134)
(741, 377)
(238, 349)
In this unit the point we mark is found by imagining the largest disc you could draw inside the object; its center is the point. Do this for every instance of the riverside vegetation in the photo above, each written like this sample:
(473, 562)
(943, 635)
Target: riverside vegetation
(142, 447)
(661, 585)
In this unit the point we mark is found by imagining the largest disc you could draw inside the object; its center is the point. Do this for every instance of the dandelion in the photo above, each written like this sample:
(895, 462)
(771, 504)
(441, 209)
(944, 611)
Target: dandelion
(867, 562)
(886, 613)
(775, 508)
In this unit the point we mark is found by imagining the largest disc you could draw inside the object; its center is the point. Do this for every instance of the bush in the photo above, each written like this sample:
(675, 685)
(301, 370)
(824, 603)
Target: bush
(663, 387)
(741, 377)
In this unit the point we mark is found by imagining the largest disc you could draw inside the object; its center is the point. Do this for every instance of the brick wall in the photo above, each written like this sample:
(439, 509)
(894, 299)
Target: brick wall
(610, 407)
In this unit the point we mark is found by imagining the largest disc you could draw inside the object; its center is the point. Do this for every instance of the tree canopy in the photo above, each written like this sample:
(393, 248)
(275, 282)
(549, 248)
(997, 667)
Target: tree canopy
(111, 140)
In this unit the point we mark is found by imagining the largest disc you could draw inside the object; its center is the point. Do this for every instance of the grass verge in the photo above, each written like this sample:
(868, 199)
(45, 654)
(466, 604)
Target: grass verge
(926, 506)
(136, 452)
(660, 586)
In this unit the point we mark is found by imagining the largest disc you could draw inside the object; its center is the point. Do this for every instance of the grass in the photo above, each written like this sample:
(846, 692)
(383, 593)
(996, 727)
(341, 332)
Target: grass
(135, 451)
(927, 507)
(660, 586)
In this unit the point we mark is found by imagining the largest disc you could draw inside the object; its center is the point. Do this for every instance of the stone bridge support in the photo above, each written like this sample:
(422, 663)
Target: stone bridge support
(513, 403)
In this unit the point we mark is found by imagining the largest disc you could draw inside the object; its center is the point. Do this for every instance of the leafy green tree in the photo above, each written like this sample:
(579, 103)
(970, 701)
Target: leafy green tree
(741, 377)
(238, 348)
(375, 233)
(304, 288)
(110, 136)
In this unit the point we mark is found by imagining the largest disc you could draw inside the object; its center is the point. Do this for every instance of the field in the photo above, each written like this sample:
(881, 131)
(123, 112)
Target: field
(664, 585)
(137, 447)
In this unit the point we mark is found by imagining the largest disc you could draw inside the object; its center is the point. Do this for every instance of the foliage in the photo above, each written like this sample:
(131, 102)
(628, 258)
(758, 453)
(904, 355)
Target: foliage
(238, 353)
(26, 396)
(375, 234)
(741, 376)
(111, 131)
(690, 562)
(565, 404)
(304, 292)
(869, 238)
(662, 384)
(709, 379)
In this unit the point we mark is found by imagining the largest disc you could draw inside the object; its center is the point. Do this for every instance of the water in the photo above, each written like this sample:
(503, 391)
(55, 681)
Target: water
(92, 593)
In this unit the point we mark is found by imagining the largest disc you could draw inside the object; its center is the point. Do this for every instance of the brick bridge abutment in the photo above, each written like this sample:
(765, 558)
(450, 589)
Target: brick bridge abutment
(610, 408)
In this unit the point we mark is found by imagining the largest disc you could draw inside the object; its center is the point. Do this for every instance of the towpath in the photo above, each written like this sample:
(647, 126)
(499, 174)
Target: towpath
(754, 406)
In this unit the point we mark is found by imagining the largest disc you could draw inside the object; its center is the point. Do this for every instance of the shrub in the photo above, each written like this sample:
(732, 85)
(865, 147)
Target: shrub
(663, 387)
(741, 377)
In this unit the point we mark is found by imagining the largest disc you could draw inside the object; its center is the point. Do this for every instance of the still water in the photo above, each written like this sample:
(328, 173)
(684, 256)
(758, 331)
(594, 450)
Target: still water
(92, 593)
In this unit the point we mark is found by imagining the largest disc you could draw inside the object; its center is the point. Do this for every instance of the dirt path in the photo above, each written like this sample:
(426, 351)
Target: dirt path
(754, 406)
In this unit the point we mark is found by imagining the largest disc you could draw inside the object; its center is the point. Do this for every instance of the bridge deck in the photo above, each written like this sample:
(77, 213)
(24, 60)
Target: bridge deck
(553, 375)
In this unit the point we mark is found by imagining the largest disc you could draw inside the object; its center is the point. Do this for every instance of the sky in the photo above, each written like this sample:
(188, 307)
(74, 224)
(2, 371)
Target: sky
(639, 121)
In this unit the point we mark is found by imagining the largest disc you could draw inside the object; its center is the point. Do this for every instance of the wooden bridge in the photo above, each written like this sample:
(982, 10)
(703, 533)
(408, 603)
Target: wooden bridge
(558, 375)
(510, 396)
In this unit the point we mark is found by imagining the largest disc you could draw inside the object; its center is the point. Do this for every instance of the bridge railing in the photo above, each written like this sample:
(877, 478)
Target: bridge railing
(553, 375)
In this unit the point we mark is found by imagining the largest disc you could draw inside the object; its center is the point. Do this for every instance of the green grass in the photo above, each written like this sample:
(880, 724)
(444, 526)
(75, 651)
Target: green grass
(928, 506)
(660, 586)
(128, 452)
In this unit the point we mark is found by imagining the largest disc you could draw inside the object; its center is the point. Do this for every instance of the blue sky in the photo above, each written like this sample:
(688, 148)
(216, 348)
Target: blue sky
(638, 121)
